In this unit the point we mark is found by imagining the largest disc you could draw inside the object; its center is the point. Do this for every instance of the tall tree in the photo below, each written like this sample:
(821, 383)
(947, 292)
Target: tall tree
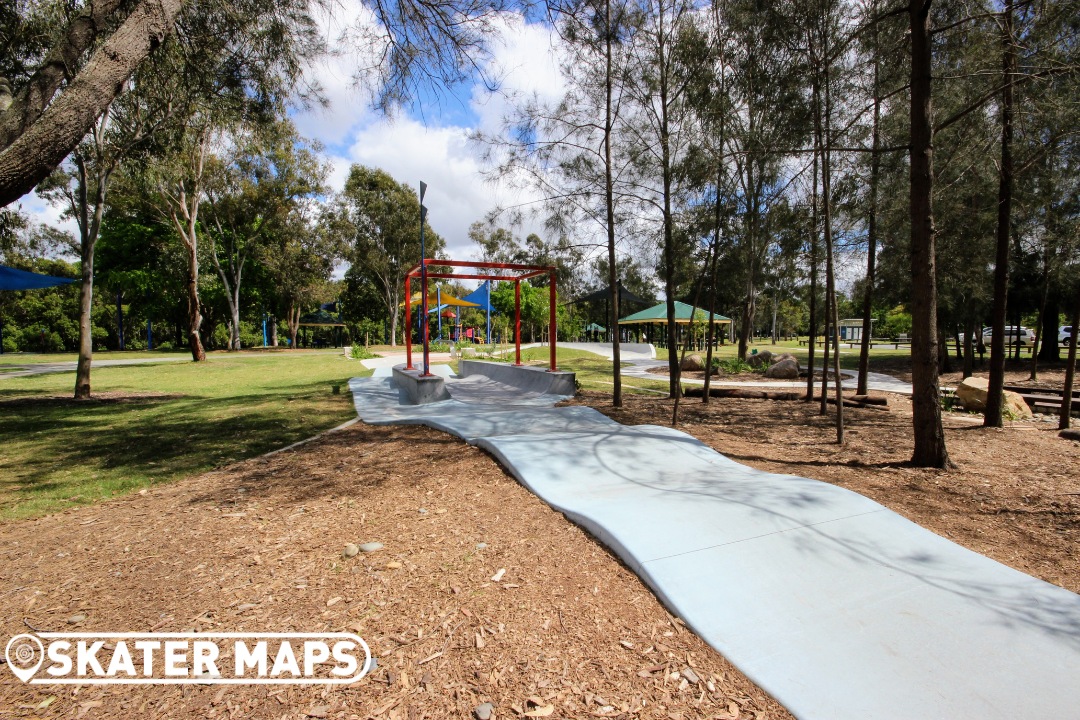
(930, 448)
(381, 217)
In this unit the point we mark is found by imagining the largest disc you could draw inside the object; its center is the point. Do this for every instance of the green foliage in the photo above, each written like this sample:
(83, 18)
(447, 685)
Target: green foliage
(359, 352)
(733, 365)
(895, 323)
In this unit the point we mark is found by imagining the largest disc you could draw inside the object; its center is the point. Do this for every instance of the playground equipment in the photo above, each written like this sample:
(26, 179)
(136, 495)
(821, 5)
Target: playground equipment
(517, 273)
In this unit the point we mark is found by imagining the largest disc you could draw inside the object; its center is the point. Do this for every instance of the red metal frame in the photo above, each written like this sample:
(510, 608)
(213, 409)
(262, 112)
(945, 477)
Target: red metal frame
(529, 271)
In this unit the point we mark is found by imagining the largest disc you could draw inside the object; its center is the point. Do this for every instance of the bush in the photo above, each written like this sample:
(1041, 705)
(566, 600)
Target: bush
(359, 352)
(734, 366)
(163, 346)
(438, 347)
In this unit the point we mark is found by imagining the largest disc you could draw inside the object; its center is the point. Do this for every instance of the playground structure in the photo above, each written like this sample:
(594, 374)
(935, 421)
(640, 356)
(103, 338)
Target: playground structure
(518, 272)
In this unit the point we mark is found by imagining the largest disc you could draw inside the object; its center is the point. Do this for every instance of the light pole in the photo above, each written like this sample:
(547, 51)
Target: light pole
(423, 279)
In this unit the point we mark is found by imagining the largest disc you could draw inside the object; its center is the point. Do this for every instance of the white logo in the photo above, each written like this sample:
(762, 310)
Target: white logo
(181, 658)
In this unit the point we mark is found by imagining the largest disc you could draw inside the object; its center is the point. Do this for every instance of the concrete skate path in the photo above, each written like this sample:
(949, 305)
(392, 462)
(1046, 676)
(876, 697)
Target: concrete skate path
(835, 605)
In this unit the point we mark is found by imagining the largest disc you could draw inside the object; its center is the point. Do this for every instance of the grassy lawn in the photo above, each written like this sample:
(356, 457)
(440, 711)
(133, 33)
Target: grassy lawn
(22, 359)
(849, 357)
(158, 422)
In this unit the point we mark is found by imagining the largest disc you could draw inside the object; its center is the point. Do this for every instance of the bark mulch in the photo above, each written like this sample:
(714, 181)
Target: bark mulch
(257, 546)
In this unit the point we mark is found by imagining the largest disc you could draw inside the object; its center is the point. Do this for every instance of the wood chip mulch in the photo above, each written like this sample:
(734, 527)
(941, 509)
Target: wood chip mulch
(257, 547)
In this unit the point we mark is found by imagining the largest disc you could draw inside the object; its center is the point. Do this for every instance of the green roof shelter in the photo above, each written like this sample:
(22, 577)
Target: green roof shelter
(651, 322)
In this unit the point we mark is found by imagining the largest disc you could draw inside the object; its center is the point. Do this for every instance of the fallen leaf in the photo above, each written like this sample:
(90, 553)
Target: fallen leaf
(333, 601)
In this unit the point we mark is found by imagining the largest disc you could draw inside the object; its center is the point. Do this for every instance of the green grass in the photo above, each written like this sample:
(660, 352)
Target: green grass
(849, 357)
(178, 419)
(23, 359)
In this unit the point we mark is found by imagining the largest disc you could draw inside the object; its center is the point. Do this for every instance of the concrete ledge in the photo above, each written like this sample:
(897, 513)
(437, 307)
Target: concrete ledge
(526, 377)
(421, 390)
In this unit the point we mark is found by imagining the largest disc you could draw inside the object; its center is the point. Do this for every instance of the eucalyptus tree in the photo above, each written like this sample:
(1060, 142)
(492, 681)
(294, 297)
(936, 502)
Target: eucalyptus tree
(380, 219)
(53, 100)
(262, 178)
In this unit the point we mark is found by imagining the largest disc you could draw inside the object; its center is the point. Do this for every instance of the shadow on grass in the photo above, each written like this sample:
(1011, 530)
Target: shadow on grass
(56, 448)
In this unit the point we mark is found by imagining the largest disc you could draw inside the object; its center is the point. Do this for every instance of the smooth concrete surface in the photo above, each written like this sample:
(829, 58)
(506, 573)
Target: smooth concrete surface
(419, 388)
(529, 378)
(832, 603)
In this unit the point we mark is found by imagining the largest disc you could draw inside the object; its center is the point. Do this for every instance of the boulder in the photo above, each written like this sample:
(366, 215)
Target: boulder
(783, 356)
(972, 393)
(786, 369)
(762, 358)
(692, 362)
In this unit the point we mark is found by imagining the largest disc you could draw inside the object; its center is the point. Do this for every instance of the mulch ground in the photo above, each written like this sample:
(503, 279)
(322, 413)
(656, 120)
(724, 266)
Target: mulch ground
(257, 546)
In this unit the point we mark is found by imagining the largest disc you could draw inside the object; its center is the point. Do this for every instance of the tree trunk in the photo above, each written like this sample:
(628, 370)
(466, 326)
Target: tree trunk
(38, 150)
(1040, 323)
(969, 348)
(813, 285)
(826, 212)
(194, 314)
(86, 338)
(929, 435)
(871, 232)
(609, 202)
(1070, 367)
(994, 392)
(273, 331)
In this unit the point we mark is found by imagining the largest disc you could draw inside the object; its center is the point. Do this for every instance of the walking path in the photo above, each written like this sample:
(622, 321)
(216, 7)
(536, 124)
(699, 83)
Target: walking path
(834, 604)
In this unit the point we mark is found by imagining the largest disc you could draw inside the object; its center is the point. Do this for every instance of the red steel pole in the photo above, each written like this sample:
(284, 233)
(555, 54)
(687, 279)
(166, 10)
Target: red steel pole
(517, 322)
(424, 317)
(408, 326)
(551, 322)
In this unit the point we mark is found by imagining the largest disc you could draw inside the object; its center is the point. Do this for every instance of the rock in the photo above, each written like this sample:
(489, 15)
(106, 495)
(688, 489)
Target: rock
(481, 546)
(484, 711)
(692, 362)
(423, 511)
(782, 356)
(499, 575)
(351, 550)
(972, 393)
(1015, 407)
(787, 369)
(75, 619)
(1069, 434)
(758, 359)
(371, 547)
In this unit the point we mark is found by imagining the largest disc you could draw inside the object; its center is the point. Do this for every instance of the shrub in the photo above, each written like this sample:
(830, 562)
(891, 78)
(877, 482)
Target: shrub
(735, 366)
(359, 352)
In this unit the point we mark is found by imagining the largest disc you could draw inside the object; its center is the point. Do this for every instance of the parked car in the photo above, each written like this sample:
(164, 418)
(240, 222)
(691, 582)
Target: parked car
(1064, 335)
(1026, 336)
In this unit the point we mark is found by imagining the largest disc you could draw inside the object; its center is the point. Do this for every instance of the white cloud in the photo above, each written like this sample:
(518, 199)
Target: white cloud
(439, 153)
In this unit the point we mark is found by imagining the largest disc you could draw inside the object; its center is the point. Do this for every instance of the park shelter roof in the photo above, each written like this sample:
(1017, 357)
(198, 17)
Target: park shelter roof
(604, 293)
(658, 314)
(593, 327)
(321, 318)
(12, 279)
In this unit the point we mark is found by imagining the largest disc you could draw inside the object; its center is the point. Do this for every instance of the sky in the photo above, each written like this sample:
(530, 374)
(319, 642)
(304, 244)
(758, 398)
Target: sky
(430, 142)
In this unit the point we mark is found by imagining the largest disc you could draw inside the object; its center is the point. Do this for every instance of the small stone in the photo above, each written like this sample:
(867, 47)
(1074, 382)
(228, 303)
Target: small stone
(373, 663)
(351, 550)
(371, 547)
(484, 711)
(423, 511)
(75, 619)
(499, 575)
(481, 546)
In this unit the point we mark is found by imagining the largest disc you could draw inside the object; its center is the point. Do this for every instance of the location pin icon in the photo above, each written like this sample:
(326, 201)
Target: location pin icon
(24, 655)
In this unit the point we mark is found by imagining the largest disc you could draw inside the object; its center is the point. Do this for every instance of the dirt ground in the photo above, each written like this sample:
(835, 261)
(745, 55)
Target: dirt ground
(257, 546)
